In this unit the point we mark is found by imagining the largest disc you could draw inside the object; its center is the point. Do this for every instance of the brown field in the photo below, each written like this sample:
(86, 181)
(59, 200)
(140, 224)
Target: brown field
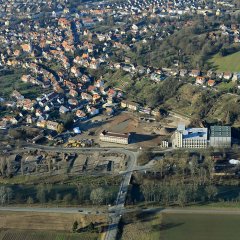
(12, 234)
(45, 221)
(148, 134)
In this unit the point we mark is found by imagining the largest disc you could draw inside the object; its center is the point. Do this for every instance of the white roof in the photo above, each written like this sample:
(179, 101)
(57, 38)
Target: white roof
(195, 133)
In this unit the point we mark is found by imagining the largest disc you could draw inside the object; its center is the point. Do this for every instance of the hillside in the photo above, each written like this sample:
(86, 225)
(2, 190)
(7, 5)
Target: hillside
(228, 63)
(197, 103)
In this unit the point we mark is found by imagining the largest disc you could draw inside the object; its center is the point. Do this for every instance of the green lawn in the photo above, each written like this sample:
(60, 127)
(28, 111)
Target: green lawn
(228, 63)
(200, 227)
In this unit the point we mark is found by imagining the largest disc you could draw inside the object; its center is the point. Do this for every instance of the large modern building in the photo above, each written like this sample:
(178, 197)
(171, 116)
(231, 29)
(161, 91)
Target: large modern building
(220, 136)
(112, 137)
(190, 137)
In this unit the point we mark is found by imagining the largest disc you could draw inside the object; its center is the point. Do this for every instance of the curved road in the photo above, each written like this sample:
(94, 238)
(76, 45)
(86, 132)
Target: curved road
(116, 211)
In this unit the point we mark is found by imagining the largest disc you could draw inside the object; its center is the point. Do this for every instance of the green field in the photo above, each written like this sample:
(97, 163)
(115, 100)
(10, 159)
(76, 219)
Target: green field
(180, 226)
(40, 235)
(228, 63)
(200, 227)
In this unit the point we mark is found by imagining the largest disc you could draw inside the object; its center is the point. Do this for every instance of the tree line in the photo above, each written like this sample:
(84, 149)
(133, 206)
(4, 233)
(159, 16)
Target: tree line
(60, 194)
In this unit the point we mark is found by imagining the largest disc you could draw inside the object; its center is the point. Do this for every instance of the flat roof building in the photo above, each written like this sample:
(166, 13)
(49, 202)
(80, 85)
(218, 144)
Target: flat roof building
(121, 138)
(190, 137)
(220, 136)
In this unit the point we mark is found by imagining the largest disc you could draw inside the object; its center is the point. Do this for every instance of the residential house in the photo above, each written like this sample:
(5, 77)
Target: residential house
(63, 110)
(111, 93)
(94, 64)
(26, 47)
(183, 72)
(3, 125)
(219, 75)
(73, 93)
(235, 77)
(30, 119)
(211, 83)
(17, 95)
(64, 23)
(81, 115)
(73, 101)
(200, 80)
(92, 111)
(25, 78)
(86, 96)
(195, 73)
(75, 71)
(227, 75)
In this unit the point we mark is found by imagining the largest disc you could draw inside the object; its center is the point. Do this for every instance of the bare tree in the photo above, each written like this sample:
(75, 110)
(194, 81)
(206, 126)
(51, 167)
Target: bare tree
(97, 195)
(3, 163)
(9, 193)
(30, 201)
(182, 198)
(211, 191)
(41, 193)
(3, 195)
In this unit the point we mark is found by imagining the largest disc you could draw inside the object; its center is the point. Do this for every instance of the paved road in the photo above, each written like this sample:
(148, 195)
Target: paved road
(81, 210)
(115, 212)
(221, 211)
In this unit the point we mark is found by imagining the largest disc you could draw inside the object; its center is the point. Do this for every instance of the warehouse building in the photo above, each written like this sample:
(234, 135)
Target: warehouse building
(220, 136)
(112, 137)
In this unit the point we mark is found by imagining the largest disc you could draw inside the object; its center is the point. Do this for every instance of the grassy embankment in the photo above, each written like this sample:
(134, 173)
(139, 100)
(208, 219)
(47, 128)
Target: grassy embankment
(192, 101)
(228, 63)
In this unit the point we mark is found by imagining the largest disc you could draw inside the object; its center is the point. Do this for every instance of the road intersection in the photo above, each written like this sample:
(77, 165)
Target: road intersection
(116, 211)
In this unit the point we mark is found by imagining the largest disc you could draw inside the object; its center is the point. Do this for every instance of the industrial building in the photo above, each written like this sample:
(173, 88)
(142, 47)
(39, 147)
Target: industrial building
(112, 137)
(220, 136)
(190, 137)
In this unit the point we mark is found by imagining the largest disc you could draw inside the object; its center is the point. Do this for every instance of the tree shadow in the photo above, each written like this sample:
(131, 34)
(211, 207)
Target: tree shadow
(166, 226)
(212, 66)
(146, 216)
